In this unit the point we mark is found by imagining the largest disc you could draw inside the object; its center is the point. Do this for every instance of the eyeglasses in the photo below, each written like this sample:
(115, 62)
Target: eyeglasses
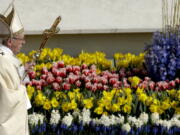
(22, 39)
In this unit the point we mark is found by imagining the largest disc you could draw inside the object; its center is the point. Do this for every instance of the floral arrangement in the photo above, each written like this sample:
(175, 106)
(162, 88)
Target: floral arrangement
(89, 94)
(163, 56)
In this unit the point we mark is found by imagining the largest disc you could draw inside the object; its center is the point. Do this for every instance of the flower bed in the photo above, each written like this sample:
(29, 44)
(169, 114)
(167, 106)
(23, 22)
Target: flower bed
(90, 94)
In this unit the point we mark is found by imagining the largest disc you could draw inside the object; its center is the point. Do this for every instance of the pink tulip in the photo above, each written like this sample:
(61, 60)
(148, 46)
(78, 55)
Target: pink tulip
(105, 87)
(94, 88)
(78, 83)
(56, 86)
(151, 85)
(88, 85)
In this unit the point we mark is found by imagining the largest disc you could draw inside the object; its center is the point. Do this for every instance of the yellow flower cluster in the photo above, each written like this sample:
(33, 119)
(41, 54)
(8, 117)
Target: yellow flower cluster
(30, 91)
(115, 101)
(54, 55)
(23, 58)
(161, 104)
(134, 81)
(38, 67)
(129, 60)
(97, 58)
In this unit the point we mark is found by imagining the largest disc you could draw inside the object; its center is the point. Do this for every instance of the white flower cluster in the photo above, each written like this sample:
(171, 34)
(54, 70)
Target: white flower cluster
(35, 119)
(174, 121)
(126, 127)
(85, 116)
(55, 117)
(109, 120)
(154, 117)
(138, 122)
(67, 120)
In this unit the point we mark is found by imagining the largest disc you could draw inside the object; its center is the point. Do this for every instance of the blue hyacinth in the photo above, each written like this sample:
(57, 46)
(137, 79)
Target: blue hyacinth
(162, 57)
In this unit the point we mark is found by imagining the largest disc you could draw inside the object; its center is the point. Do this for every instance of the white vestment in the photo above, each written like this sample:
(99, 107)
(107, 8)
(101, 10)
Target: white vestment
(13, 97)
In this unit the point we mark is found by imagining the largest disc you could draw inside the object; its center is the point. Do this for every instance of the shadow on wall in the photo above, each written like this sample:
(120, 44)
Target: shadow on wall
(73, 44)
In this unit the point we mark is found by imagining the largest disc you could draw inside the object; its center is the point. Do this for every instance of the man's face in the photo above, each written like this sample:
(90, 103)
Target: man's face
(16, 43)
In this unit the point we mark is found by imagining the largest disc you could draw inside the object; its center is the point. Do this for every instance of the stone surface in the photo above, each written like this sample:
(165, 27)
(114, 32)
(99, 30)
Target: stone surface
(89, 16)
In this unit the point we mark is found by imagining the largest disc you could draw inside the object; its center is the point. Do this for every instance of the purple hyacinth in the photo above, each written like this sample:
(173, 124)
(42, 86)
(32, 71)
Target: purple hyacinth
(162, 57)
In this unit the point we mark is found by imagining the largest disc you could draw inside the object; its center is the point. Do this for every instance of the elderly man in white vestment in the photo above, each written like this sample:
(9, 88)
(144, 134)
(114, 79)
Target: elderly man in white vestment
(14, 101)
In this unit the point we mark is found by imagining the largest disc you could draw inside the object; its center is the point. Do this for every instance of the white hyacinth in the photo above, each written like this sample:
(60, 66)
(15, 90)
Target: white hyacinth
(67, 120)
(132, 120)
(85, 117)
(126, 127)
(55, 117)
(166, 124)
(177, 116)
(120, 119)
(105, 120)
(114, 120)
(76, 113)
(154, 117)
(175, 122)
(35, 119)
(144, 117)
(96, 121)
(138, 123)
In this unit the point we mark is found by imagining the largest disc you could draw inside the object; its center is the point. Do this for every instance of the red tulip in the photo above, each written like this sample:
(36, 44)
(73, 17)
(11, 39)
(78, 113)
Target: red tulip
(177, 80)
(38, 87)
(32, 74)
(84, 66)
(50, 79)
(172, 84)
(112, 81)
(75, 68)
(44, 71)
(95, 80)
(87, 79)
(115, 85)
(66, 86)
(43, 82)
(85, 72)
(55, 71)
(69, 68)
(104, 80)
(71, 79)
(62, 72)
(60, 64)
(43, 76)
(152, 85)
(99, 86)
(58, 79)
